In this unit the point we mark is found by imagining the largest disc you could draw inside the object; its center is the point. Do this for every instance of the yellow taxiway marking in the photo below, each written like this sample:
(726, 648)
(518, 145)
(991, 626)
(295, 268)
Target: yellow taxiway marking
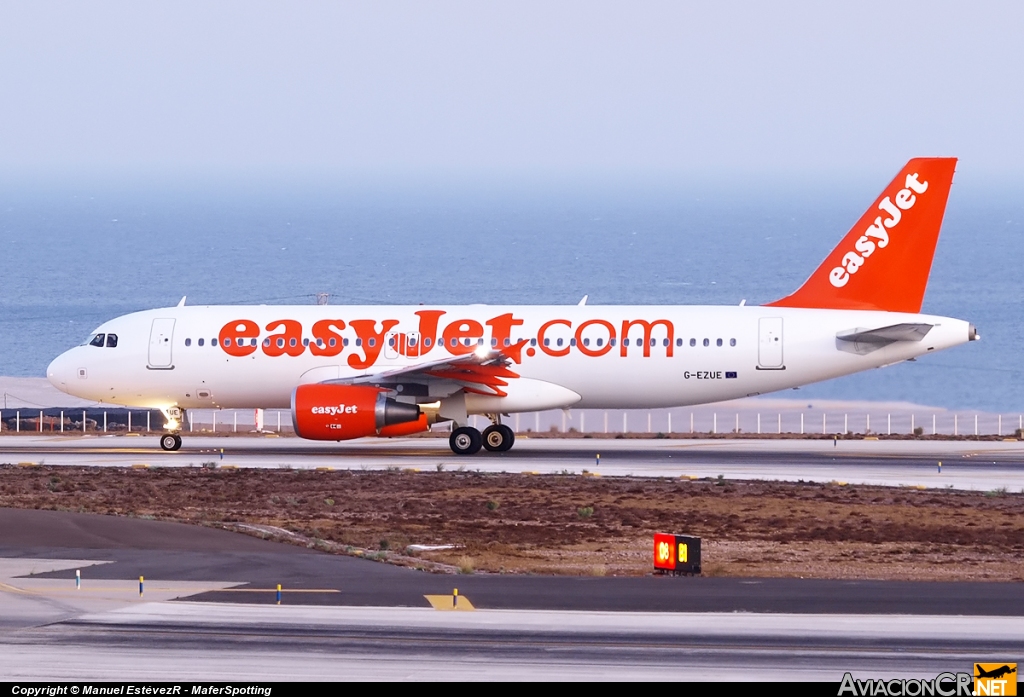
(449, 602)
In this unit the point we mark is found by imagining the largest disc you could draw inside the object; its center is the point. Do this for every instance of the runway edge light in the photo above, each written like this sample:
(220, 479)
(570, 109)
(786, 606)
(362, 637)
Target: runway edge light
(676, 554)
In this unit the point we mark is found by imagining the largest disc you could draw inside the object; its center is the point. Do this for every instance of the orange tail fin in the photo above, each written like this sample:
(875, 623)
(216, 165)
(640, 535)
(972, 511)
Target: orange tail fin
(884, 261)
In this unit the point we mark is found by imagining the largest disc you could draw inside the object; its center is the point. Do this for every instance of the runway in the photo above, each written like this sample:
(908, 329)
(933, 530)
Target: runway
(209, 612)
(978, 465)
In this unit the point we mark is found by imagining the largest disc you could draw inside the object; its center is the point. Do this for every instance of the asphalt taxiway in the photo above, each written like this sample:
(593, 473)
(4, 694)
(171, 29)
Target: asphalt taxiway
(209, 612)
(978, 465)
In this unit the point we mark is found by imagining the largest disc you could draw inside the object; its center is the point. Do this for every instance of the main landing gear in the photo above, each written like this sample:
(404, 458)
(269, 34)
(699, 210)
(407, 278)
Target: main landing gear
(170, 442)
(496, 438)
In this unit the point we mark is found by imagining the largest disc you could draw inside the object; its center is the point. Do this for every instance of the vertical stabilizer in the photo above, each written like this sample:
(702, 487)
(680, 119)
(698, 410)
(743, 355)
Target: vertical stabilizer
(884, 261)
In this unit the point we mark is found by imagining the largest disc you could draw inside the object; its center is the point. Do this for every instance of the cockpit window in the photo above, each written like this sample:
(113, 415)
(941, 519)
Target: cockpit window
(97, 340)
(111, 340)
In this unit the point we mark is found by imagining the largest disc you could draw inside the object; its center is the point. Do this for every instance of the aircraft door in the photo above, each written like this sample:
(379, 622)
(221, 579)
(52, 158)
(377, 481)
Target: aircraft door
(769, 344)
(161, 340)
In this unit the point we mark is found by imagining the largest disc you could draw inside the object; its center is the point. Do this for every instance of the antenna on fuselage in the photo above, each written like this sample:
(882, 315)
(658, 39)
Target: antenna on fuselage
(322, 298)
(583, 302)
(181, 303)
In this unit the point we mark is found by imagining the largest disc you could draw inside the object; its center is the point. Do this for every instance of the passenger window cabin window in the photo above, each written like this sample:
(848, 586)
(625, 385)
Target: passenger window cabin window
(333, 342)
(664, 342)
(654, 340)
(533, 342)
(625, 342)
(572, 342)
(344, 342)
(320, 342)
(266, 342)
(359, 342)
(98, 340)
(227, 341)
(508, 342)
(494, 342)
(372, 342)
(305, 342)
(280, 343)
(600, 342)
(559, 342)
(111, 340)
(201, 342)
(718, 343)
(427, 342)
(547, 342)
(611, 342)
(679, 342)
(292, 342)
(707, 342)
(586, 342)
(732, 342)
(188, 342)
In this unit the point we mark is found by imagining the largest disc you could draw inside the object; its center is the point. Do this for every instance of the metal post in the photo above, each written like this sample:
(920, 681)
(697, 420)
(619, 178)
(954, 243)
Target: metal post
(889, 422)
(236, 420)
(912, 428)
(824, 426)
(846, 424)
(583, 423)
(62, 422)
(934, 431)
(648, 422)
(563, 421)
(17, 422)
(867, 423)
(190, 422)
(737, 422)
(780, 423)
(624, 429)
(714, 423)
(104, 420)
(670, 422)
(279, 421)
(148, 429)
(83, 421)
(691, 422)
(214, 422)
(41, 422)
(999, 432)
(1, 421)
(129, 422)
(801, 423)
(759, 423)
(537, 418)
(975, 424)
(956, 425)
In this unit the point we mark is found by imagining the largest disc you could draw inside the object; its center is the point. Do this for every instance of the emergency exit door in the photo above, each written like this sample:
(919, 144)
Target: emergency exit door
(161, 341)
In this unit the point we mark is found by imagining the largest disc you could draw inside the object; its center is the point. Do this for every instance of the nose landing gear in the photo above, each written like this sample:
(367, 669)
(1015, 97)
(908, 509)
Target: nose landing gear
(170, 442)
(173, 416)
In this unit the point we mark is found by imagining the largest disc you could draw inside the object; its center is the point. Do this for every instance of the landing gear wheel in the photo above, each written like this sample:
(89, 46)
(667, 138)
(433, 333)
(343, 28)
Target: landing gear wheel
(170, 442)
(499, 438)
(465, 441)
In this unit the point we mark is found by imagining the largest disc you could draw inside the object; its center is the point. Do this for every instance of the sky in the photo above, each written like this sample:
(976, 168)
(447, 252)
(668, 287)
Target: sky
(620, 89)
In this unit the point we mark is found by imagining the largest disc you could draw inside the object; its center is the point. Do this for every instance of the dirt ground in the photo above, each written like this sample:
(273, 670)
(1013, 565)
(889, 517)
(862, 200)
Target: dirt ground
(565, 524)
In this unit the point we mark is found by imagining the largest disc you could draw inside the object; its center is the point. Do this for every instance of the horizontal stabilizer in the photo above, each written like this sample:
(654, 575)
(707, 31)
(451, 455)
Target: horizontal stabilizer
(864, 341)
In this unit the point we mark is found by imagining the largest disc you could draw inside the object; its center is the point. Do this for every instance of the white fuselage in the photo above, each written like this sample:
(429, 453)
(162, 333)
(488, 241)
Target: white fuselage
(176, 357)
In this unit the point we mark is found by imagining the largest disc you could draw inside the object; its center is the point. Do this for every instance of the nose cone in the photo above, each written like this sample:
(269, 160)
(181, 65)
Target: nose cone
(59, 371)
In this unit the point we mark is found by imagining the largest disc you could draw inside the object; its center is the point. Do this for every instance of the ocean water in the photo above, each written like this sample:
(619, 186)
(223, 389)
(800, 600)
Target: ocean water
(73, 254)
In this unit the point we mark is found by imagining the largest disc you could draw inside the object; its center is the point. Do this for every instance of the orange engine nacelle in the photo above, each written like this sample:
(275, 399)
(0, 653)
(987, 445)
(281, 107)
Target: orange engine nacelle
(342, 412)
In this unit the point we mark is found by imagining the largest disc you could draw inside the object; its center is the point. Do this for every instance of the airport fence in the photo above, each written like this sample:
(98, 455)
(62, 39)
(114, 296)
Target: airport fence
(665, 422)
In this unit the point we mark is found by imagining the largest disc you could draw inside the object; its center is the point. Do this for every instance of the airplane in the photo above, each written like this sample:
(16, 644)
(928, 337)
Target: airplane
(348, 372)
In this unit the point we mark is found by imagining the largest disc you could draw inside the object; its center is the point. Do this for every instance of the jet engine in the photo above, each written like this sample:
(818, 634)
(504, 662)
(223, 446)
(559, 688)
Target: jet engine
(343, 412)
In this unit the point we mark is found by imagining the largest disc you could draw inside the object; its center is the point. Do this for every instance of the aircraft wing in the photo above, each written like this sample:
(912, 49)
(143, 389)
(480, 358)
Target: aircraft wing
(482, 372)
